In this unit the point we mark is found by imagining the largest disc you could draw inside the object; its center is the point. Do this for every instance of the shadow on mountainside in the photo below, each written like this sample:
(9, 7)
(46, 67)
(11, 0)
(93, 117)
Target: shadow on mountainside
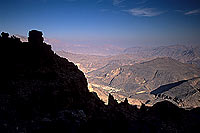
(167, 87)
(42, 92)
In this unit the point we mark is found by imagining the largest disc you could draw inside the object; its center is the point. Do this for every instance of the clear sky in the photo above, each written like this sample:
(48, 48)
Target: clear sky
(117, 22)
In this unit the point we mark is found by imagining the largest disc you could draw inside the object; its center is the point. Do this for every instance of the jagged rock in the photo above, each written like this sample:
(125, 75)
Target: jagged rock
(112, 101)
(126, 101)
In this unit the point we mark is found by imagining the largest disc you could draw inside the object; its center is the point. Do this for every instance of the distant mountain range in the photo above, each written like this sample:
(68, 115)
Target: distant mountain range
(139, 72)
(184, 53)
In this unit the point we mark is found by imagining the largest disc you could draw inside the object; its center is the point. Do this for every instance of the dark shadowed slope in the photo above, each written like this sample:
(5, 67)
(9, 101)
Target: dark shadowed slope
(38, 85)
(167, 87)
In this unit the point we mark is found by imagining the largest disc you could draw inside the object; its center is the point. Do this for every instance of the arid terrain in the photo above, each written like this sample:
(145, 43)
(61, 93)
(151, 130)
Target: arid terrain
(144, 74)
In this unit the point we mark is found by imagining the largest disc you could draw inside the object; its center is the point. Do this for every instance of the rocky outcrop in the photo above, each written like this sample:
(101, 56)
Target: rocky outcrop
(35, 37)
(111, 101)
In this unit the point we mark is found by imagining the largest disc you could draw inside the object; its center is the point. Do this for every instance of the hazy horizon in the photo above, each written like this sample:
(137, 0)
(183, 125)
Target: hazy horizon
(123, 23)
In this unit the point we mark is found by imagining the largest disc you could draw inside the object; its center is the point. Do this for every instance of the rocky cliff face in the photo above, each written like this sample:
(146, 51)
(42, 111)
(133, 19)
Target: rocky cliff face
(42, 92)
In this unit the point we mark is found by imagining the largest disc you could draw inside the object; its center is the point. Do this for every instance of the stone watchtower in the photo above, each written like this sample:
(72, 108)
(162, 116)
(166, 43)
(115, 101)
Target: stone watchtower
(35, 37)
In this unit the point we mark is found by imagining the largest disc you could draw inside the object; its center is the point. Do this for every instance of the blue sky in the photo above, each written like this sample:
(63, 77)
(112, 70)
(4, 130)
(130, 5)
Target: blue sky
(123, 23)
